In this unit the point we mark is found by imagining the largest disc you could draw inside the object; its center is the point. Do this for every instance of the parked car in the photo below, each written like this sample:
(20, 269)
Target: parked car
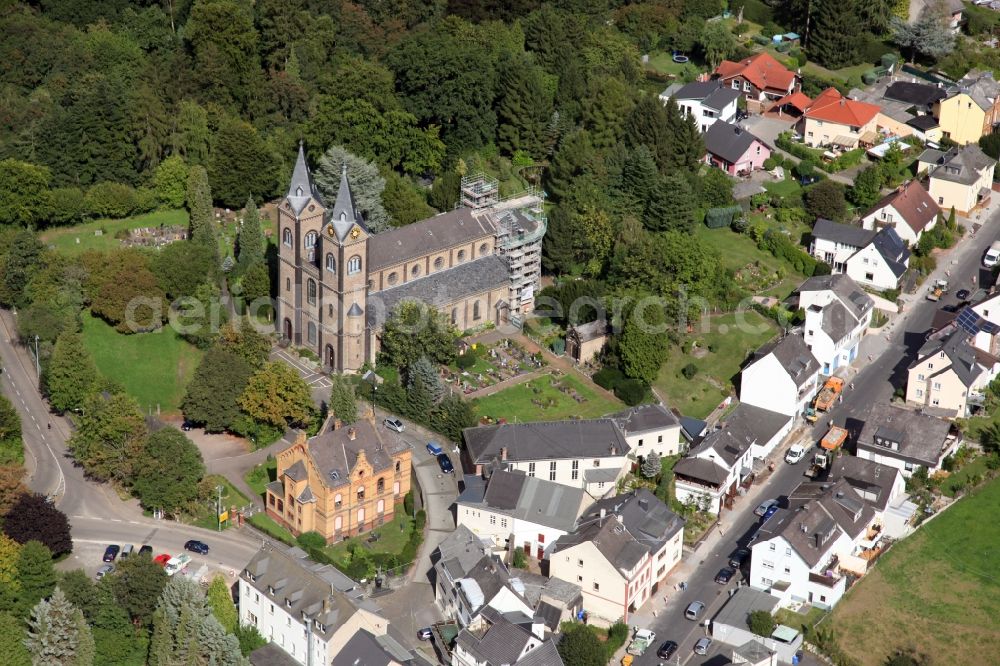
(196, 546)
(702, 646)
(105, 570)
(127, 550)
(424, 634)
(162, 559)
(764, 506)
(394, 424)
(724, 576)
(795, 454)
(667, 650)
(445, 463)
(962, 294)
(694, 610)
(770, 512)
(737, 559)
(434, 449)
(146, 549)
(186, 426)
(110, 553)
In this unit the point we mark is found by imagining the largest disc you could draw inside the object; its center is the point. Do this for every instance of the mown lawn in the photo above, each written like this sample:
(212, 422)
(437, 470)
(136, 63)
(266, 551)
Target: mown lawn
(261, 475)
(79, 238)
(515, 402)
(732, 337)
(392, 536)
(154, 368)
(783, 188)
(937, 592)
(757, 271)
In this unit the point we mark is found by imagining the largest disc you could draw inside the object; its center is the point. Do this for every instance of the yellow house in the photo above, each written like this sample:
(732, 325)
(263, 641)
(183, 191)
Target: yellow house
(971, 109)
(949, 373)
(961, 178)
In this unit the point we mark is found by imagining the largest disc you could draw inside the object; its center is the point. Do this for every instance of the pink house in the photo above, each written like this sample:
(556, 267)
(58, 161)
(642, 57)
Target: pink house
(733, 149)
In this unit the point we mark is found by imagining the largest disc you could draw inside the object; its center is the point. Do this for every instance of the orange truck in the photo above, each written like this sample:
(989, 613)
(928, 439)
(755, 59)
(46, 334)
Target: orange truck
(834, 439)
(827, 396)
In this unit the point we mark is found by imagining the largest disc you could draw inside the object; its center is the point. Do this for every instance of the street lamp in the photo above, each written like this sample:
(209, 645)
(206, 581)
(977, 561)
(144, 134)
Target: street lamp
(38, 370)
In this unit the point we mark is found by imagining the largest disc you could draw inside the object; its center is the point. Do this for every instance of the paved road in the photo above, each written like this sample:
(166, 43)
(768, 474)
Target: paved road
(875, 382)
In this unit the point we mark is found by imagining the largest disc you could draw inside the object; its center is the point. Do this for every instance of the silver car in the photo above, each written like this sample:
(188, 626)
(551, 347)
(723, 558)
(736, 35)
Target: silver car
(701, 647)
(694, 610)
(394, 424)
(105, 570)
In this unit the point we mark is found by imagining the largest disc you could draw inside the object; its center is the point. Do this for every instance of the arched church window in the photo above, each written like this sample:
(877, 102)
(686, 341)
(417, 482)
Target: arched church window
(354, 265)
(331, 263)
(311, 291)
(286, 237)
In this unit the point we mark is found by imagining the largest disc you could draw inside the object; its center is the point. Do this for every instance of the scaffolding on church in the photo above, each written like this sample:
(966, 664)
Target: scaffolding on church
(479, 191)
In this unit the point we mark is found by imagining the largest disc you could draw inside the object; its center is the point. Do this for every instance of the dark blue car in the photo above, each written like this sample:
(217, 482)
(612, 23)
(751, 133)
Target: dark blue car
(770, 512)
(196, 547)
(445, 463)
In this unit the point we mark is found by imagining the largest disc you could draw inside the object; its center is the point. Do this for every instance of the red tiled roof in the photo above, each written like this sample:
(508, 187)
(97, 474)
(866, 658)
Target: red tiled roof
(762, 70)
(830, 106)
(913, 202)
(798, 99)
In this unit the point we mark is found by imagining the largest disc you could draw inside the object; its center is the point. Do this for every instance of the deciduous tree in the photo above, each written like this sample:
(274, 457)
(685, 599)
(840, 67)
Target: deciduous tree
(826, 199)
(220, 600)
(580, 647)
(241, 165)
(24, 193)
(867, 188)
(170, 181)
(110, 438)
(12, 635)
(343, 402)
(11, 444)
(213, 394)
(414, 330)
(277, 395)
(36, 576)
(32, 518)
(643, 345)
(170, 471)
(11, 486)
(19, 258)
(137, 585)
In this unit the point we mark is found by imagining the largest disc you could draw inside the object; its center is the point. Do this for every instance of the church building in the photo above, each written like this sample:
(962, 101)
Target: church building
(338, 282)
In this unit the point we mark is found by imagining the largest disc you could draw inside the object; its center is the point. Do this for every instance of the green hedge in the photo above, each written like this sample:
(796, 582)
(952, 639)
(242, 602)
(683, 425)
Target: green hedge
(756, 11)
(815, 155)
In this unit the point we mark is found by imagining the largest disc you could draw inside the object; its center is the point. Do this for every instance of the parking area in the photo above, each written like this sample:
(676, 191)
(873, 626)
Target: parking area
(88, 556)
(306, 369)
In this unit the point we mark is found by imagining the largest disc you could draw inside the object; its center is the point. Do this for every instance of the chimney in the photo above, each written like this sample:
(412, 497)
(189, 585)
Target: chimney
(337, 424)
(352, 434)
(614, 450)
(503, 453)
(603, 514)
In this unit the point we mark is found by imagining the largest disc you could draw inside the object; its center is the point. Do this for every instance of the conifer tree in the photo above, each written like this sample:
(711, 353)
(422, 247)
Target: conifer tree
(833, 40)
(429, 376)
(523, 109)
(36, 575)
(251, 238)
(672, 205)
(686, 144)
(199, 202)
(419, 400)
(343, 402)
(58, 634)
(71, 374)
(647, 125)
(639, 178)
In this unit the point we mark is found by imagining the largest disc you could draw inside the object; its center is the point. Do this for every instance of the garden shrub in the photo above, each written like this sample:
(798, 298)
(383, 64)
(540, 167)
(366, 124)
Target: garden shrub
(689, 371)
(311, 540)
(631, 392)
(608, 377)
(465, 361)
(114, 200)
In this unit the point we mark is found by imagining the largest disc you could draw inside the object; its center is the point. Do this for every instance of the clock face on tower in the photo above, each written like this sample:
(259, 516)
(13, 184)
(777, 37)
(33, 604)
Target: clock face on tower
(355, 232)
(329, 231)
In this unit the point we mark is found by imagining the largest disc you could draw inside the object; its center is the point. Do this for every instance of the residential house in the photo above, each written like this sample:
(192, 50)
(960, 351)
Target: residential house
(726, 459)
(344, 481)
(834, 120)
(497, 639)
(909, 210)
(926, 128)
(921, 97)
(907, 107)
(514, 510)
(705, 102)
(731, 625)
(950, 374)
(469, 579)
(838, 313)
(971, 108)
(370, 650)
(734, 150)
(881, 486)
(906, 439)
(782, 376)
(585, 341)
(952, 10)
(587, 453)
(982, 321)
(960, 178)
(881, 263)
(801, 553)
(834, 243)
(760, 78)
(622, 550)
(649, 428)
(310, 611)
(754, 653)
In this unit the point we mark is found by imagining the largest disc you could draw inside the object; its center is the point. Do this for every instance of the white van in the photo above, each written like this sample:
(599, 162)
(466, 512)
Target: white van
(992, 256)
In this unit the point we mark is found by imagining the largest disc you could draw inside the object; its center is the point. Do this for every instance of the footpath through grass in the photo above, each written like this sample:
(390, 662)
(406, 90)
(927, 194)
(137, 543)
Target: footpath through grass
(937, 592)
(542, 400)
(154, 368)
(64, 239)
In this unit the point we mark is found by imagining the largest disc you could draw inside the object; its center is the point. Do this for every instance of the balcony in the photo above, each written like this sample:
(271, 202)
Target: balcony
(825, 581)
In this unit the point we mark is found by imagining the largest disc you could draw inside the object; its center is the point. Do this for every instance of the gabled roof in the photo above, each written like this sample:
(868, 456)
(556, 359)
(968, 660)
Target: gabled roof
(980, 86)
(745, 426)
(591, 330)
(499, 641)
(845, 234)
(544, 440)
(892, 249)
(911, 92)
(830, 106)
(762, 70)
(793, 354)
(335, 451)
(924, 122)
(845, 288)
(531, 499)
(797, 99)
(913, 203)
(836, 321)
(967, 361)
(302, 188)
(958, 165)
(645, 418)
(921, 437)
(712, 94)
(872, 481)
(729, 142)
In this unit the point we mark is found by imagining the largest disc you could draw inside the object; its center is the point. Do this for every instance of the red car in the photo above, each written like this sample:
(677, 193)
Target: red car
(162, 559)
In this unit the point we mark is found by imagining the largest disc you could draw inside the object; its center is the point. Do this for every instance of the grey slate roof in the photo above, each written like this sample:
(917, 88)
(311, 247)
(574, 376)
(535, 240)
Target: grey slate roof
(746, 425)
(921, 437)
(692, 428)
(872, 481)
(459, 552)
(532, 499)
(301, 187)
(501, 643)
(837, 322)
(917, 94)
(456, 227)
(739, 606)
(545, 655)
(597, 475)
(794, 356)
(923, 123)
(272, 655)
(634, 524)
(957, 165)
(344, 214)
(980, 86)
(701, 469)
(893, 250)
(645, 418)
(441, 288)
(845, 234)
(847, 290)
(335, 452)
(543, 440)
(967, 361)
(728, 141)
(362, 650)
(591, 330)
(712, 94)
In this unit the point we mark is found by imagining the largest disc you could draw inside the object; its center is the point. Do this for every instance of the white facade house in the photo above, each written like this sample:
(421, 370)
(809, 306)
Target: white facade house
(985, 326)
(881, 263)
(781, 377)
(834, 243)
(712, 472)
(591, 454)
(511, 509)
(838, 314)
(494, 639)
(705, 102)
(299, 605)
(906, 439)
(649, 428)
(624, 547)
(910, 210)
(731, 625)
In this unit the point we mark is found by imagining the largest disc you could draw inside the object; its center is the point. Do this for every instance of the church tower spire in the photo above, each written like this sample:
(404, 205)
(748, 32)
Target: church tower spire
(301, 188)
(344, 214)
